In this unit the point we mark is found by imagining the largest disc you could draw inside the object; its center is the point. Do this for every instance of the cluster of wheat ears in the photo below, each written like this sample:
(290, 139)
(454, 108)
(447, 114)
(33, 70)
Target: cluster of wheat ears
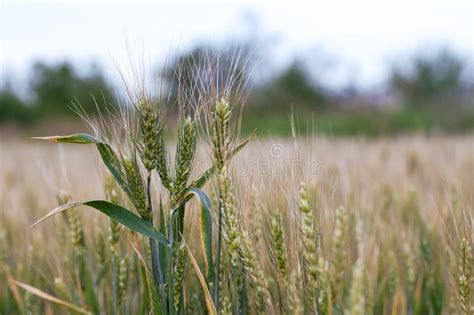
(179, 241)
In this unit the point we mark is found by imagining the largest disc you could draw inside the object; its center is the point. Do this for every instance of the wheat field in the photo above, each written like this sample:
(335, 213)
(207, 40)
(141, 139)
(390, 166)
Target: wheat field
(386, 224)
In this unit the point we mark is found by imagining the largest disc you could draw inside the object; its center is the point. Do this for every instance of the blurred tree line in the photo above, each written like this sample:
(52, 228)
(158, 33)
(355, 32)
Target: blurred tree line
(431, 80)
(52, 89)
(424, 93)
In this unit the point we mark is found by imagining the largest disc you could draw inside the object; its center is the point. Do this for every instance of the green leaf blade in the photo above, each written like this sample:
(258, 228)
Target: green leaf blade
(116, 212)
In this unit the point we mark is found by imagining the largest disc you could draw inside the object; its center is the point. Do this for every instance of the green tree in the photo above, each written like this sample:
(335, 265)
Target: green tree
(292, 87)
(56, 87)
(429, 80)
(12, 108)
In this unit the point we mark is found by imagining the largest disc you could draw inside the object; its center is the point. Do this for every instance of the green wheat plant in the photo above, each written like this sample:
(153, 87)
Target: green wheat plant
(132, 164)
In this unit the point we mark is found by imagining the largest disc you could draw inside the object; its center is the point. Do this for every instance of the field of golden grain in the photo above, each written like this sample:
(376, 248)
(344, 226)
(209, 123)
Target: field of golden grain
(380, 226)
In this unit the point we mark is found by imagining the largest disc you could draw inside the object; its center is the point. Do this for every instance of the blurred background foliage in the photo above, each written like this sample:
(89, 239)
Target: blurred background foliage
(427, 92)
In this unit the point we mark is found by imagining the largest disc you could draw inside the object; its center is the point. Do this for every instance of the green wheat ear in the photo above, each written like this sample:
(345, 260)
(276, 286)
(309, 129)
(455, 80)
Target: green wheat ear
(339, 250)
(220, 132)
(254, 272)
(324, 295)
(310, 243)
(162, 163)
(136, 187)
(465, 279)
(122, 282)
(151, 129)
(357, 293)
(185, 153)
(278, 242)
(179, 274)
(230, 227)
(295, 293)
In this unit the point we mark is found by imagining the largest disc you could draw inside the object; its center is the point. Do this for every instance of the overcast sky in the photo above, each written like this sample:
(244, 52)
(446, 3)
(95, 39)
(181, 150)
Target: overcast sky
(363, 38)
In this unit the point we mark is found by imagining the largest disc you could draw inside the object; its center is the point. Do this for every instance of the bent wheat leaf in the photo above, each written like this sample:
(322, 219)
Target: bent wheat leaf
(118, 213)
(82, 138)
(205, 229)
(49, 297)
